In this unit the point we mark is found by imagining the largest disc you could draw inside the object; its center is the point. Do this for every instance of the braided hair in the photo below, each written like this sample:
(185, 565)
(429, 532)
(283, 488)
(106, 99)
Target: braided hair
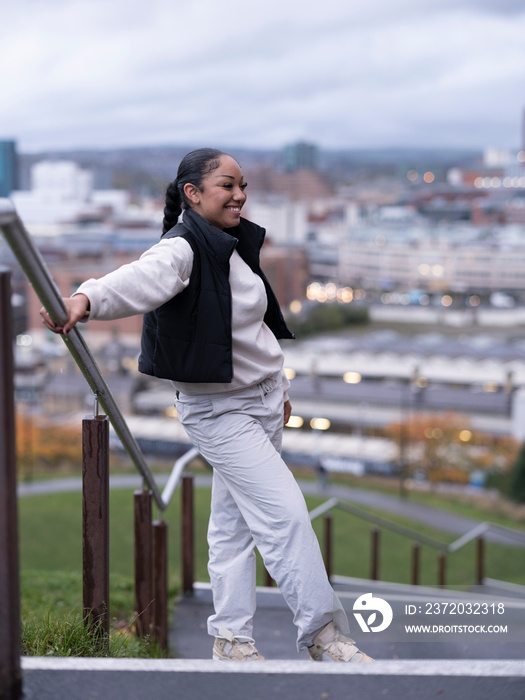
(193, 167)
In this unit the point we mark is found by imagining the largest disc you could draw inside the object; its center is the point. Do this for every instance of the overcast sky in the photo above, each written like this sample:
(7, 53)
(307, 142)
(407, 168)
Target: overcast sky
(341, 73)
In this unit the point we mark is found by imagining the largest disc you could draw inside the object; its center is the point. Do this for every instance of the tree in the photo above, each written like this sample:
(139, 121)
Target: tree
(517, 478)
(445, 448)
(41, 445)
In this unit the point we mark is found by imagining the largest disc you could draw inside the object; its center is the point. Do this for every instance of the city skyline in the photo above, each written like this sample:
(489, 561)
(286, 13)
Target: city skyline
(448, 74)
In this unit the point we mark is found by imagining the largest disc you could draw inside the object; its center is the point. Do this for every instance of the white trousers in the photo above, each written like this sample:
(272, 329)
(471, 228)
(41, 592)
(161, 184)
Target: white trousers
(256, 502)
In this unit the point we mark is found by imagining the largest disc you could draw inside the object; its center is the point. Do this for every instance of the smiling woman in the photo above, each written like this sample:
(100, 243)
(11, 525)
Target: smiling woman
(211, 183)
(211, 326)
(221, 195)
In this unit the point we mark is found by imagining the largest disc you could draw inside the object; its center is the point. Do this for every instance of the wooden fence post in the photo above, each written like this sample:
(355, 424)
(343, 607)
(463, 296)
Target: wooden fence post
(442, 561)
(188, 535)
(328, 544)
(268, 580)
(416, 549)
(480, 561)
(143, 562)
(374, 567)
(160, 567)
(95, 525)
(10, 643)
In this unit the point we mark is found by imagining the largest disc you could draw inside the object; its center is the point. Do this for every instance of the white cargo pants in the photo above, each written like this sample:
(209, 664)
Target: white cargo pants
(257, 502)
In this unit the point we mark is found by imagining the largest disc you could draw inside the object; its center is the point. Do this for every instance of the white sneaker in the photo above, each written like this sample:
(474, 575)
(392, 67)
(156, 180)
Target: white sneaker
(331, 645)
(229, 647)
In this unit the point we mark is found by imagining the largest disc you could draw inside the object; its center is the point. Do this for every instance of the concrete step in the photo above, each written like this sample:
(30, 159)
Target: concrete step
(491, 588)
(503, 588)
(116, 679)
(409, 667)
(438, 624)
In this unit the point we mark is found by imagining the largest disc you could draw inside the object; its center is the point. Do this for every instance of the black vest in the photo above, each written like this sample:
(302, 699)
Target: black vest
(189, 338)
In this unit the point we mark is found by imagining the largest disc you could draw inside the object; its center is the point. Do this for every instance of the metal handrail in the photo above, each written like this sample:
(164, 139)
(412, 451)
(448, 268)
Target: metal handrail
(176, 474)
(47, 291)
(513, 536)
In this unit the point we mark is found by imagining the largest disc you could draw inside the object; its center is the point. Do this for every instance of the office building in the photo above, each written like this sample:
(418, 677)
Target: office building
(8, 168)
(300, 156)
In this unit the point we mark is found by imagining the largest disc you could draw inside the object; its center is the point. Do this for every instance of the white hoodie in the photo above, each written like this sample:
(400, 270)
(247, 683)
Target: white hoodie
(164, 271)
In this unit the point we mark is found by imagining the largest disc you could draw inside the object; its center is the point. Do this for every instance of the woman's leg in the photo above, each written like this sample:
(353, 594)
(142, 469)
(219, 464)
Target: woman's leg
(231, 564)
(239, 434)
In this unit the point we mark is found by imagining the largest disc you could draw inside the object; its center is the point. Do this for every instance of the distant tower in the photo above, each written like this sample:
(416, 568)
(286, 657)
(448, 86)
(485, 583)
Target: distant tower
(8, 168)
(299, 156)
(523, 132)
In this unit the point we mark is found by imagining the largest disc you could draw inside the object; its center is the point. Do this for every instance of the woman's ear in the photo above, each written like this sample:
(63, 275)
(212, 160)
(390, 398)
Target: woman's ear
(192, 193)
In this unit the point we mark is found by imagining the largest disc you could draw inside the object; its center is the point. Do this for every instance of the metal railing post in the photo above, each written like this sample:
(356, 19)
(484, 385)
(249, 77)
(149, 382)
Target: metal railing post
(95, 525)
(10, 643)
(188, 535)
(143, 562)
(160, 577)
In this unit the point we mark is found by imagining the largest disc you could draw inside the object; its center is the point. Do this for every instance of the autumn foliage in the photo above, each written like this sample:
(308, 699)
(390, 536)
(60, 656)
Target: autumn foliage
(443, 447)
(43, 445)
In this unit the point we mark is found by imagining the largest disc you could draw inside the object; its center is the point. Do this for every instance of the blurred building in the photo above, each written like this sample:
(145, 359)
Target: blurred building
(287, 271)
(285, 221)
(8, 168)
(300, 156)
(497, 157)
(454, 258)
(70, 273)
(62, 192)
(298, 185)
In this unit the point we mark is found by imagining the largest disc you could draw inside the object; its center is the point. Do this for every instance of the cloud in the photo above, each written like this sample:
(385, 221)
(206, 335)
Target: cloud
(341, 73)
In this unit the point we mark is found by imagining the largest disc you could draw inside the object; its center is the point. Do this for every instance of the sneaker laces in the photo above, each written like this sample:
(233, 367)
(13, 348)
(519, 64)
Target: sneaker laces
(344, 648)
(247, 647)
(336, 646)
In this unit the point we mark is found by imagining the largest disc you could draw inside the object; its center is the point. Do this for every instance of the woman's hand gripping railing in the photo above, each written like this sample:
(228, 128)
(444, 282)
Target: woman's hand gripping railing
(36, 271)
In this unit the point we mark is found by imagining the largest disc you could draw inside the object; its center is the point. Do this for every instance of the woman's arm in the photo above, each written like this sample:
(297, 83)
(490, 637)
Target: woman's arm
(136, 288)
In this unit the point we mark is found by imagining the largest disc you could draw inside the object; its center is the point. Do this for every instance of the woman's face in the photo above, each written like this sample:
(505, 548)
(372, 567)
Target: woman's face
(221, 196)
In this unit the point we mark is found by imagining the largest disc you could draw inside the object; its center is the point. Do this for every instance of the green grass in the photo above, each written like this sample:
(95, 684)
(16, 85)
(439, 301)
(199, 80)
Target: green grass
(352, 546)
(50, 529)
(52, 618)
(51, 561)
(482, 508)
(50, 535)
(51, 532)
(484, 511)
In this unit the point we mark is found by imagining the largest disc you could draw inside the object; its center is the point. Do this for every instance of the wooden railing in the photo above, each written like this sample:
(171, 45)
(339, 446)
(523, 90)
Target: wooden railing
(477, 533)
